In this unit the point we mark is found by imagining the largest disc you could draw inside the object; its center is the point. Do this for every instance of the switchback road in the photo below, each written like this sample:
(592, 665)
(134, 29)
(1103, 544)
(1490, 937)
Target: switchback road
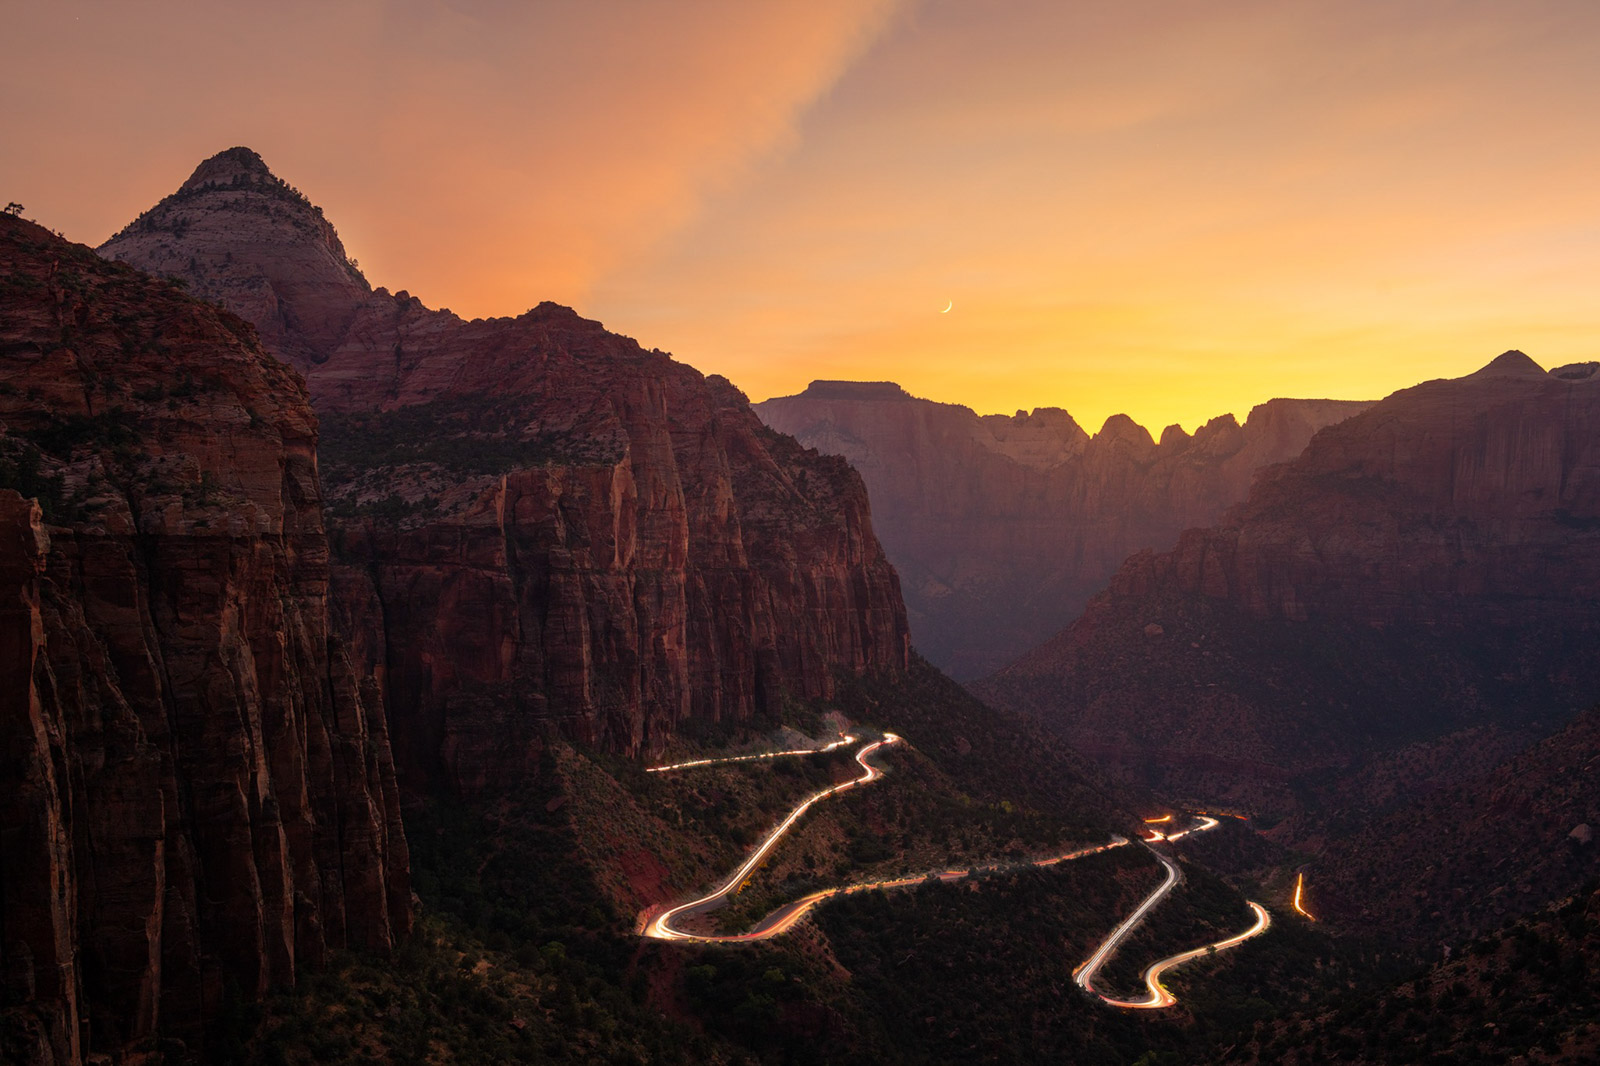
(662, 925)
(1158, 996)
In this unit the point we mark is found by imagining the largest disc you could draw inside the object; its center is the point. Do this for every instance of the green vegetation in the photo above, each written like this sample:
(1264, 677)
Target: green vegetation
(982, 972)
(463, 436)
(22, 469)
(994, 756)
(1524, 993)
(527, 951)
(116, 430)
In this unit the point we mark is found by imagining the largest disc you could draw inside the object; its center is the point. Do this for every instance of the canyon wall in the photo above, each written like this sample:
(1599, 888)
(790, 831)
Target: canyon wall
(200, 795)
(538, 524)
(1429, 566)
(1002, 527)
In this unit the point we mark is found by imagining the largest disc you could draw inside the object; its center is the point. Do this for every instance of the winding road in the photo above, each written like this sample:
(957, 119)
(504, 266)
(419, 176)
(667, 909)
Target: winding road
(1157, 994)
(661, 925)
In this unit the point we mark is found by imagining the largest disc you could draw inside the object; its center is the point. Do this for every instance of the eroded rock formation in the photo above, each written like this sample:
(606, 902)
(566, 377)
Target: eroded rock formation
(541, 524)
(1002, 527)
(1430, 565)
(199, 798)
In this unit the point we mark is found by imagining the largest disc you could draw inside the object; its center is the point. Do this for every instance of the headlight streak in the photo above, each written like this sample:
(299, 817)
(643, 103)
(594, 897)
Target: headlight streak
(836, 745)
(1158, 996)
(660, 926)
(1299, 887)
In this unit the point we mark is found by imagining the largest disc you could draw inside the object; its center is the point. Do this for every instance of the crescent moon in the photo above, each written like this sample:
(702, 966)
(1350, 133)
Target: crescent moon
(947, 307)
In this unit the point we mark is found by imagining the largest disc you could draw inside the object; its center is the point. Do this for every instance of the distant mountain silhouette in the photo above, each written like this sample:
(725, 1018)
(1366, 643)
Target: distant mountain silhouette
(1002, 527)
(1428, 566)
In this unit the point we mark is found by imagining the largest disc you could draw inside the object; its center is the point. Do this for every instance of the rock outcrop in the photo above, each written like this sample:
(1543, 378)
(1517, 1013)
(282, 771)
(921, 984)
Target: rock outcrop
(1430, 565)
(1002, 527)
(200, 798)
(540, 524)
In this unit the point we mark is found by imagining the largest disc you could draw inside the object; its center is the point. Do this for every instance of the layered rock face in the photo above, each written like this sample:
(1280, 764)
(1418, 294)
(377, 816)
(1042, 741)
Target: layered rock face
(1002, 527)
(1430, 565)
(540, 524)
(200, 796)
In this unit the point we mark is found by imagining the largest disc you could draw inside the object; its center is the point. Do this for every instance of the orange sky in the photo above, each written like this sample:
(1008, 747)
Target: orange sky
(1166, 208)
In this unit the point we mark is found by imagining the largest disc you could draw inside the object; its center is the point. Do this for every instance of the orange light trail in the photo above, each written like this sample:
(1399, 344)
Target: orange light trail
(1158, 995)
(841, 742)
(1299, 887)
(658, 926)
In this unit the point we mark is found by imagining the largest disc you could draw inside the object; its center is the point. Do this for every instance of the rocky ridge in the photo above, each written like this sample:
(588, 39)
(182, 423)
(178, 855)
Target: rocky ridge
(1002, 527)
(541, 525)
(1423, 568)
(200, 795)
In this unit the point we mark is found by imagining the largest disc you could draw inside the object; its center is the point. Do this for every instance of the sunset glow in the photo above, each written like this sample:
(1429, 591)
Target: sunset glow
(1171, 211)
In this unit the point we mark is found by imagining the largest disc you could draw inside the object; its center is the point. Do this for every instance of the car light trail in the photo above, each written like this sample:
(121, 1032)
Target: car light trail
(785, 917)
(1158, 996)
(1205, 823)
(660, 926)
(836, 745)
(1084, 975)
(1299, 887)
(1158, 821)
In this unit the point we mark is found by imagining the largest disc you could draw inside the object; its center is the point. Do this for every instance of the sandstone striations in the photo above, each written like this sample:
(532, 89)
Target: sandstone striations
(1002, 527)
(200, 798)
(1428, 566)
(539, 524)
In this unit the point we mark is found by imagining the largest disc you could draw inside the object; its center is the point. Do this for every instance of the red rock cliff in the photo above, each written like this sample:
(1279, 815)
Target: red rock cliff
(1002, 527)
(542, 524)
(1428, 565)
(199, 796)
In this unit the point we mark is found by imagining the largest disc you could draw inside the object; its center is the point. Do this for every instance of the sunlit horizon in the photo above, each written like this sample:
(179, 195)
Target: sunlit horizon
(1171, 215)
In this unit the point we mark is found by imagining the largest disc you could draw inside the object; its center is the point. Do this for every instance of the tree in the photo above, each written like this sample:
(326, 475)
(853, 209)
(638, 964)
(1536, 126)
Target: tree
(13, 208)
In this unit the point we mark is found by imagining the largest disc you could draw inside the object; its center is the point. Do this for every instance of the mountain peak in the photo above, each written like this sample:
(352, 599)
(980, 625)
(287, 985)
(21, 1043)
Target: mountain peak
(226, 166)
(1512, 363)
(241, 236)
(1122, 428)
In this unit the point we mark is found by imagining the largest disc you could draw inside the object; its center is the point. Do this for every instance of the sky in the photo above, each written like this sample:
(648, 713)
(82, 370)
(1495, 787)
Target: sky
(1164, 208)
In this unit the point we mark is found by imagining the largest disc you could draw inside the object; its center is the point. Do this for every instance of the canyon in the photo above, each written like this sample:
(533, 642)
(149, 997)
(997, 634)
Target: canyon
(282, 553)
(1425, 573)
(1002, 527)
(539, 527)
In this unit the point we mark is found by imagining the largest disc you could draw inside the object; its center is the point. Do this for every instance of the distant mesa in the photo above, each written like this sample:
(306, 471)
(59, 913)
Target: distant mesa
(1002, 526)
(854, 390)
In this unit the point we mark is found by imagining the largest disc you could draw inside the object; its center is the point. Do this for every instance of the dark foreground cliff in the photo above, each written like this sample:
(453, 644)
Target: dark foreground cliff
(540, 526)
(199, 797)
(1002, 527)
(1423, 578)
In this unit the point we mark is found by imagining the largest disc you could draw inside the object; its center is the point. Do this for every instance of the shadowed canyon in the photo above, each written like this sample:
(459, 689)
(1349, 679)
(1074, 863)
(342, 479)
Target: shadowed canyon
(393, 686)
